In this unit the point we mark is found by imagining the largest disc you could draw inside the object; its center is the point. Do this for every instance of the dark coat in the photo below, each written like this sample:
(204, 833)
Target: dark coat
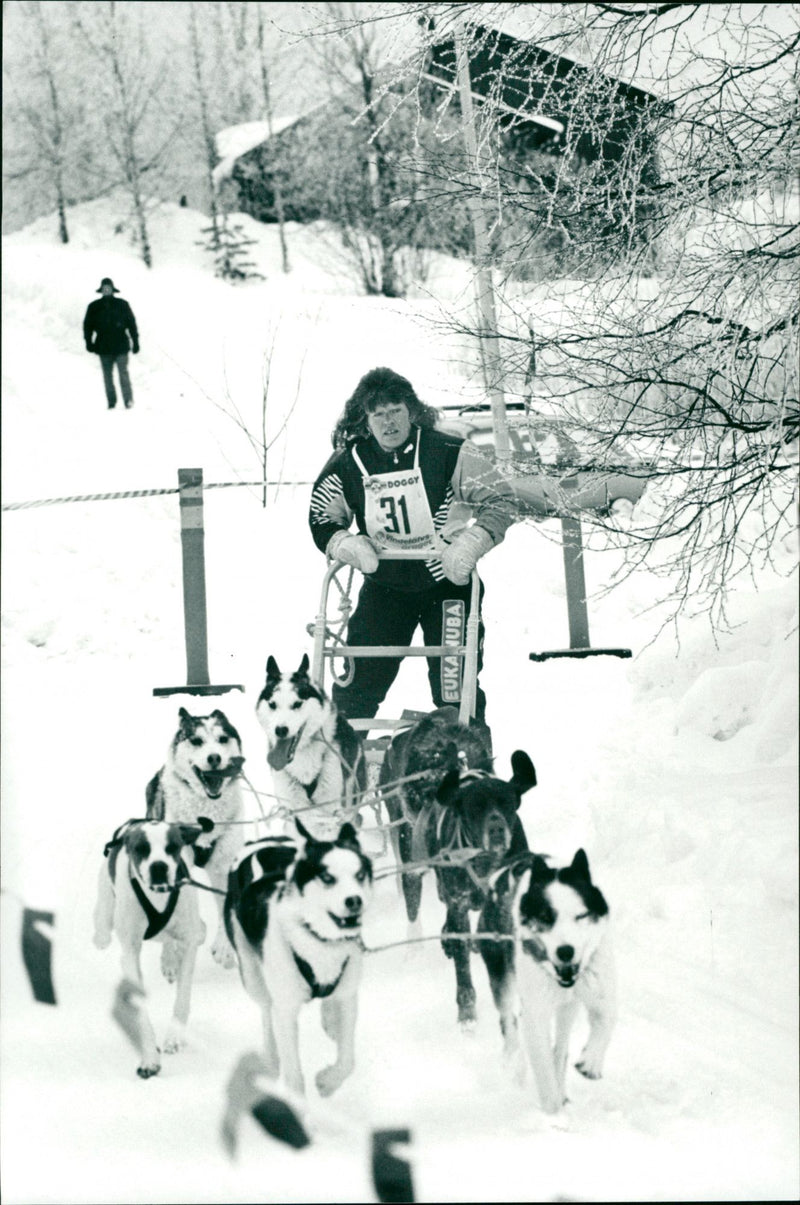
(106, 327)
(453, 470)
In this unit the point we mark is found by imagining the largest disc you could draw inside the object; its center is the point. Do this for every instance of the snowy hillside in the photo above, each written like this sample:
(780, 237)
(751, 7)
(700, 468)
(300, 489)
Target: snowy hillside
(676, 770)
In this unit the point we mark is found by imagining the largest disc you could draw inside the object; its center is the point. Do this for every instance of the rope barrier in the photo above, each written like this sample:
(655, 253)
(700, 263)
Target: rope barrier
(152, 493)
(221, 485)
(86, 498)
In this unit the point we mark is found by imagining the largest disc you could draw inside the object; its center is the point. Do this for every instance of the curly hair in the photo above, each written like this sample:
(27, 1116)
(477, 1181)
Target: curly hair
(380, 386)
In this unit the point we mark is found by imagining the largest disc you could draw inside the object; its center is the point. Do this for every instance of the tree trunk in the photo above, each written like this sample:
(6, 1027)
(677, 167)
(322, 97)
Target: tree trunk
(205, 122)
(58, 127)
(276, 184)
(484, 285)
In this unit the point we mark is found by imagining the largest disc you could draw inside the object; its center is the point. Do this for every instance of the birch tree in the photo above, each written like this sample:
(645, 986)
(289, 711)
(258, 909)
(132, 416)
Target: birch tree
(51, 114)
(210, 157)
(266, 89)
(139, 129)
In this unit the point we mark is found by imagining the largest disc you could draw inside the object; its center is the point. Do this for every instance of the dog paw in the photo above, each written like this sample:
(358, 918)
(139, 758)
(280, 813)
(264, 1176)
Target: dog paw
(329, 1079)
(170, 961)
(514, 1062)
(147, 1070)
(467, 1012)
(102, 940)
(468, 1026)
(175, 1038)
(222, 952)
(589, 1069)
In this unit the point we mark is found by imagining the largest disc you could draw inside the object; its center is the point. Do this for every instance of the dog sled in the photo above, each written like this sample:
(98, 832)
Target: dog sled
(334, 659)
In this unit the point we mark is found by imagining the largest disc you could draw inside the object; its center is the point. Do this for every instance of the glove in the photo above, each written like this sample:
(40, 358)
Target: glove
(355, 550)
(135, 349)
(89, 347)
(462, 555)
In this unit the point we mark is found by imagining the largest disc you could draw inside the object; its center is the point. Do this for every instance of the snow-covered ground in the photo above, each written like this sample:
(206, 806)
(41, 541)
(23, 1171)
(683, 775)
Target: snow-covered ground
(676, 770)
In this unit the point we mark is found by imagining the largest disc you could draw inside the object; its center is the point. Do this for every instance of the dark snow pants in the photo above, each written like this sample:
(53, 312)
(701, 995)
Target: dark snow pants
(384, 616)
(121, 362)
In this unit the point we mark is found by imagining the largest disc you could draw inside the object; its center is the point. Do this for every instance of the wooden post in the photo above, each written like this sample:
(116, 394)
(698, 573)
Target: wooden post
(577, 613)
(190, 483)
(195, 625)
(576, 582)
(484, 286)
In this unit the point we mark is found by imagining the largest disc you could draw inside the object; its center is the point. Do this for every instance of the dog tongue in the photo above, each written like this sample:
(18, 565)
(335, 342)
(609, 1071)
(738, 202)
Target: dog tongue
(281, 754)
(213, 782)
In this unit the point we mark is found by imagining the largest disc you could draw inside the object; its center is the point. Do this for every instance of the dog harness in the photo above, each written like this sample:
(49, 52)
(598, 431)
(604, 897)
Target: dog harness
(318, 990)
(156, 921)
(202, 853)
(310, 787)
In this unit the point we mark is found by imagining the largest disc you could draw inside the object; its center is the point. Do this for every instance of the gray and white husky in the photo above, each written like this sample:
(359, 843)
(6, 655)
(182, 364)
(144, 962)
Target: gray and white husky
(560, 959)
(316, 757)
(200, 777)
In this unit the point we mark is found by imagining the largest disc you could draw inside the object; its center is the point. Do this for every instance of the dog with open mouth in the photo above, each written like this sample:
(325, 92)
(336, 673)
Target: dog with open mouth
(560, 959)
(294, 912)
(200, 777)
(141, 896)
(316, 757)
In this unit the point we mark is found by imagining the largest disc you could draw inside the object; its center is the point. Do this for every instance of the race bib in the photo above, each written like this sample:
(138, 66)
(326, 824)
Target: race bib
(396, 511)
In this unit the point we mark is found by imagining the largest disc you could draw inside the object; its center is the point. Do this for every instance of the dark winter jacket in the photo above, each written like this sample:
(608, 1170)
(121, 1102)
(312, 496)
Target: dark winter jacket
(459, 481)
(106, 327)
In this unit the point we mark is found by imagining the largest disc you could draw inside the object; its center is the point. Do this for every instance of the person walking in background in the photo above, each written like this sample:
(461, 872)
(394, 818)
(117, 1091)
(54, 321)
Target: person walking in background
(107, 326)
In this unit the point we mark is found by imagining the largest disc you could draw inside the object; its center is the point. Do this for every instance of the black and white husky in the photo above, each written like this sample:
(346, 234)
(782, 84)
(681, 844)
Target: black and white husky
(316, 757)
(293, 914)
(200, 777)
(560, 959)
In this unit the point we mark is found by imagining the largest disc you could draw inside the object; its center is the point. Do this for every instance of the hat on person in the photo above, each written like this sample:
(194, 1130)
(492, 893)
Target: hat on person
(107, 281)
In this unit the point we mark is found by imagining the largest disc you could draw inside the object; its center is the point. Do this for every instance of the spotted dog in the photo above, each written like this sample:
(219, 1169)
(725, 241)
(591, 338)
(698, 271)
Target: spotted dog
(560, 959)
(140, 898)
(316, 757)
(293, 913)
(200, 777)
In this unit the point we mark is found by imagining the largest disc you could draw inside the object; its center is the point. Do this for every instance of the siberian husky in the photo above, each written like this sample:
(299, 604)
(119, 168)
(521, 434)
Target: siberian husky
(139, 897)
(560, 958)
(293, 914)
(200, 778)
(316, 757)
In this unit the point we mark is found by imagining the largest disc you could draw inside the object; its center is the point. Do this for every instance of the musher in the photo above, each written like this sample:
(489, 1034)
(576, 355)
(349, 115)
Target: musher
(408, 486)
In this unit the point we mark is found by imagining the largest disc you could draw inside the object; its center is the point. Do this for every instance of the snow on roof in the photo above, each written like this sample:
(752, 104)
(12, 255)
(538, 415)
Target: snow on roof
(235, 141)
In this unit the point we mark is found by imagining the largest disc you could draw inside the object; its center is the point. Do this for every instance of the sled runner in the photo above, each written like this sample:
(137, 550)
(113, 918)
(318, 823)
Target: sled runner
(333, 656)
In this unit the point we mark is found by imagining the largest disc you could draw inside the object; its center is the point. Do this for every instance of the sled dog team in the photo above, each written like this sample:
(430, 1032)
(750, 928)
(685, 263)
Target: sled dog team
(291, 907)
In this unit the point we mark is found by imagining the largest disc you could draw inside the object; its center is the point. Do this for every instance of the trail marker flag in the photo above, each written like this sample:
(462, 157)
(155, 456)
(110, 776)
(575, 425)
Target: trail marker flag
(37, 951)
